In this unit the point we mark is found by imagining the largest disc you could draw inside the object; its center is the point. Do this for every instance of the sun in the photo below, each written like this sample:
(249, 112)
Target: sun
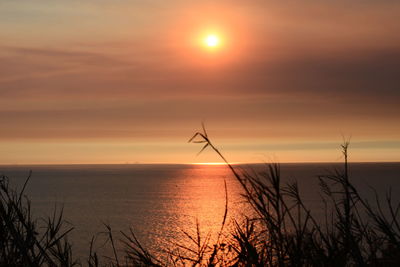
(212, 40)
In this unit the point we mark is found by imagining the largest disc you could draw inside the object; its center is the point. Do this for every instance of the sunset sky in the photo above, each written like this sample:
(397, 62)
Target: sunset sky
(119, 81)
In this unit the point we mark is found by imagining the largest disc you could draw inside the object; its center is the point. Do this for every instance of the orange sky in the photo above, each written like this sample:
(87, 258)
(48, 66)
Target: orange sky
(130, 81)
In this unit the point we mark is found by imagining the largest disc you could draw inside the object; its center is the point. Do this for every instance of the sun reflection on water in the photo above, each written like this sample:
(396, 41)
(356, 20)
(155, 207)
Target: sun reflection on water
(200, 197)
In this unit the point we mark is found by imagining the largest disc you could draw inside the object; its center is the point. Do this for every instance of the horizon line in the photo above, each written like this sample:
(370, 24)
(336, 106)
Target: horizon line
(191, 163)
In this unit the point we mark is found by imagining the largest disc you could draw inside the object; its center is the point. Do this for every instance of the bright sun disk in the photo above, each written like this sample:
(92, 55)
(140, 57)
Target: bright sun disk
(211, 40)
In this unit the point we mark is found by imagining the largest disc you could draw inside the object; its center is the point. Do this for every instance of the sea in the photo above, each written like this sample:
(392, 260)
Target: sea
(163, 204)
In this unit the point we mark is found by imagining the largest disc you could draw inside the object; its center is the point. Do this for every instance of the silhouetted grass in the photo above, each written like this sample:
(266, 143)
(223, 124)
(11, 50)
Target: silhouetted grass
(282, 232)
(28, 242)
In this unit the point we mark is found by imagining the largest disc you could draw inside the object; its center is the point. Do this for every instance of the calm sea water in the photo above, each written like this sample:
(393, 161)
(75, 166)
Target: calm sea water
(160, 201)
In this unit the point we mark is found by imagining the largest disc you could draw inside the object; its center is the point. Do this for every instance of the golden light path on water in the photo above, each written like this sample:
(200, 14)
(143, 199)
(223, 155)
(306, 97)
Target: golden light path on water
(200, 197)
